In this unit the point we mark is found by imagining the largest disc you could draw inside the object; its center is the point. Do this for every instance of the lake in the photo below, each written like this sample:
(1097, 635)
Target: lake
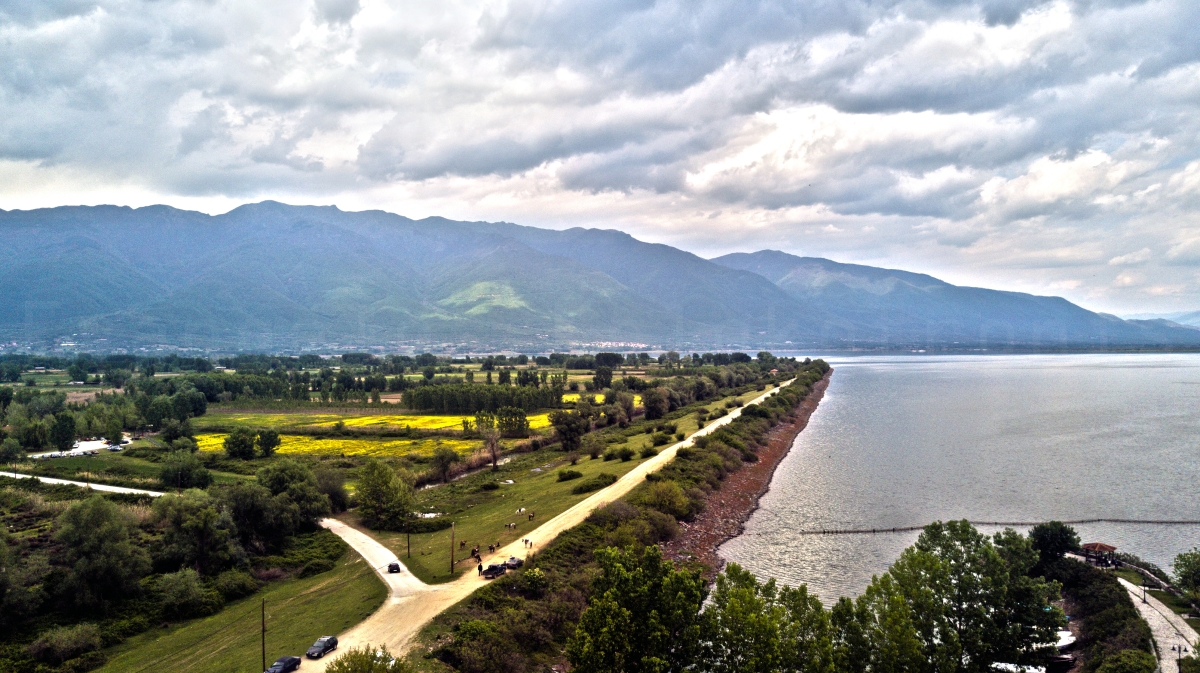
(906, 440)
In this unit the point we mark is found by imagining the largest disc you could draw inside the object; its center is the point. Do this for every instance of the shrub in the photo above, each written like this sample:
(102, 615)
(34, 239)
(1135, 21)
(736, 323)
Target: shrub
(182, 469)
(648, 452)
(11, 451)
(595, 483)
(368, 660)
(659, 439)
(667, 497)
(568, 475)
(1129, 661)
(611, 454)
(679, 436)
(66, 642)
(489, 486)
(626, 454)
(235, 584)
(182, 595)
(316, 567)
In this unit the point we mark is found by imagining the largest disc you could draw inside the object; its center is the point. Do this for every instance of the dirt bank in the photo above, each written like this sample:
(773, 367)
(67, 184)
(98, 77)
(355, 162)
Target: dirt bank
(724, 516)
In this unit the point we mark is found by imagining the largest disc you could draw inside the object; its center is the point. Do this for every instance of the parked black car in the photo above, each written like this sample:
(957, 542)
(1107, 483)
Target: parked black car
(394, 567)
(323, 646)
(513, 563)
(284, 665)
(495, 570)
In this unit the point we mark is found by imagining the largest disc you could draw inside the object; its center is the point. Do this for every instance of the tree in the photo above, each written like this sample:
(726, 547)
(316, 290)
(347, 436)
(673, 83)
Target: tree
(62, 431)
(240, 444)
(603, 378)
(753, 627)
(512, 422)
(443, 459)
(6, 397)
(592, 445)
(104, 565)
(182, 469)
(969, 605)
(333, 485)
(610, 360)
(114, 430)
(643, 617)
(570, 427)
(296, 494)
(268, 441)
(195, 534)
(11, 451)
(1187, 570)
(1053, 540)
(385, 499)
(491, 444)
(656, 402)
(368, 660)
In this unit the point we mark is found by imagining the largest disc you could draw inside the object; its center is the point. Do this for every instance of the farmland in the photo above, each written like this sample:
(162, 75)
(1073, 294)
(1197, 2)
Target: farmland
(327, 446)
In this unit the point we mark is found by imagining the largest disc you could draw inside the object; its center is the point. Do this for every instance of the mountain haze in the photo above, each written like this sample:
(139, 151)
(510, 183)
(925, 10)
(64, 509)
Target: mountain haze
(272, 276)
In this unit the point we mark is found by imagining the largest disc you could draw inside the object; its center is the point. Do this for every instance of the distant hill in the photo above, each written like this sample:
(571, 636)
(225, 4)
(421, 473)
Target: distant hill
(269, 276)
(875, 305)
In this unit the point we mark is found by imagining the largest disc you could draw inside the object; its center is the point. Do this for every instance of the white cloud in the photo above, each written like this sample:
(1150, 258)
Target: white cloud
(1008, 143)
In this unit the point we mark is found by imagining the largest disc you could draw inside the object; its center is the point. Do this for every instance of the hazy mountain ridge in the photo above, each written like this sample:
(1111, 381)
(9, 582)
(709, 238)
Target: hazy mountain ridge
(269, 275)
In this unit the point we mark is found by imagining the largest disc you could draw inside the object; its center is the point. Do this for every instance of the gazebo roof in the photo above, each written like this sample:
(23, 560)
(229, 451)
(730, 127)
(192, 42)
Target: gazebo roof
(1099, 547)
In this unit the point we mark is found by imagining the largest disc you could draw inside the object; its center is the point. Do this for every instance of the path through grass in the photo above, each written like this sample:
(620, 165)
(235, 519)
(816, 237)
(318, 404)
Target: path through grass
(298, 611)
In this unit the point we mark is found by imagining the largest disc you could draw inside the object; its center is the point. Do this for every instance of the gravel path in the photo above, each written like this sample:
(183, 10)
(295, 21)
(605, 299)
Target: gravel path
(81, 484)
(402, 616)
(1169, 629)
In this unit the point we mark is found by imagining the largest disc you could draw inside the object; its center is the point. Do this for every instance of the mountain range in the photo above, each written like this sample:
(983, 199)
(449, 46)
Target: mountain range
(269, 276)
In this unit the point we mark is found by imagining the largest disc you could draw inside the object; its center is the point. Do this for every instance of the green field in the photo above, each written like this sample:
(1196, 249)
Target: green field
(298, 611)
(116, 469)
(480, 515)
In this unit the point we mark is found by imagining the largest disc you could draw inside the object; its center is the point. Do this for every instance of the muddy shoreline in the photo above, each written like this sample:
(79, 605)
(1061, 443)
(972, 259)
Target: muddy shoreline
(727, 510)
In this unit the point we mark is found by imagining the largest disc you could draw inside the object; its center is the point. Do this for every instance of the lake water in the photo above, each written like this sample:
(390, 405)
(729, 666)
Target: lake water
(903, 441)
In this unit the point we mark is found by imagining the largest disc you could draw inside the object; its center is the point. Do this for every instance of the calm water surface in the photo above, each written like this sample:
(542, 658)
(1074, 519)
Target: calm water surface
(902, 441)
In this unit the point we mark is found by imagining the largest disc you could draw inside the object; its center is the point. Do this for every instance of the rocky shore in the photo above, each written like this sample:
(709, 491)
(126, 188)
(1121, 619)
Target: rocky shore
(727, 510)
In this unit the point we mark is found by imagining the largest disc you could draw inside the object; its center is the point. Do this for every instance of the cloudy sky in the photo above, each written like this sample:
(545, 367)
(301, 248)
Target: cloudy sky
(1051, 147)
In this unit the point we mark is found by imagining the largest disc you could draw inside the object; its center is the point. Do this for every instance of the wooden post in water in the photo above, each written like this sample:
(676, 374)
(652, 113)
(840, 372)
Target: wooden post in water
(451, 548)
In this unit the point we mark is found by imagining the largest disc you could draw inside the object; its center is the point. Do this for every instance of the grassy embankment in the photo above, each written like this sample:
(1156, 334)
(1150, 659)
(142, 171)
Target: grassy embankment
(480, 514)
(108, 468)
(298, 611)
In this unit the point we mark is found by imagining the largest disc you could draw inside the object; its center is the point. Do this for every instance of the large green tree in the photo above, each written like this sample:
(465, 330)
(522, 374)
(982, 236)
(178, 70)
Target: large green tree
(196, 534)
(240, 444)
(62, 431)
(104, 565)
(570, 427)
(385, 498)
(753, 627)
(1053, 540)
(644, 616)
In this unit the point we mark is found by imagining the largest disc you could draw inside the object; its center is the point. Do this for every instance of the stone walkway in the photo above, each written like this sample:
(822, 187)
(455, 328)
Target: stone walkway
(1169, 629)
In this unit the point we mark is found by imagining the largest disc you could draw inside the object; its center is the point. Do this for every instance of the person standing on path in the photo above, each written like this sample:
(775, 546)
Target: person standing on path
(480, 571)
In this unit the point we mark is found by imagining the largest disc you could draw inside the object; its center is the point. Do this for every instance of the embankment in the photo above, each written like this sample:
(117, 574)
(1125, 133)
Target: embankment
(727, 510)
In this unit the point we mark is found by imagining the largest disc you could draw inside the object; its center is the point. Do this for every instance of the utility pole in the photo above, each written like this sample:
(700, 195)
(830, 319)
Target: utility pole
(264, 634)
(451, 548)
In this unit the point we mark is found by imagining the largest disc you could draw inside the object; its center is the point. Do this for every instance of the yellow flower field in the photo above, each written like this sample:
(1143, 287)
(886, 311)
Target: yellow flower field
(418, 421)
(302, 444)
(571, 398)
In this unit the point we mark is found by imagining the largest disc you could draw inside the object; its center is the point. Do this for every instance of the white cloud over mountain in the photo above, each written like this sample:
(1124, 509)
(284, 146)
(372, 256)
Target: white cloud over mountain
(1051, 147)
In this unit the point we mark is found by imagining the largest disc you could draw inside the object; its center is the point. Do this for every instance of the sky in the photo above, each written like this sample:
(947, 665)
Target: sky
(1047, 147)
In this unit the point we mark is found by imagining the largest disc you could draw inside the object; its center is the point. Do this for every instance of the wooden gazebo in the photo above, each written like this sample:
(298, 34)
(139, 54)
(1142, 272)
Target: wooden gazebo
(1099, 551)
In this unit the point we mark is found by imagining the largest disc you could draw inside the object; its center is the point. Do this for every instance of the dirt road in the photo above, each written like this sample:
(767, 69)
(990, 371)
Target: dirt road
(96, 487)
(412, 604)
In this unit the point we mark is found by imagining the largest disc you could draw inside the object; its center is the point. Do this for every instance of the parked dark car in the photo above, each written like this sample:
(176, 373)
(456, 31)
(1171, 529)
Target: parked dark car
(394, 567)
(495, 570)
(323, 646)
(513, 563)
(284, 665)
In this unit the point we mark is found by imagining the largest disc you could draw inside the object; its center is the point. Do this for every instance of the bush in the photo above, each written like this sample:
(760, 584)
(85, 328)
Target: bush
(66, 642)
(489, 486)
(595, 483)
(568, 475)
(648, 452)
(660, 439)
(233, 584)
(182, 469)
(679, 436)
(182, 595)
(11, 451)
(611, 454)
(316, 567)
(1129, 661)
(368, 660)
(626, 454)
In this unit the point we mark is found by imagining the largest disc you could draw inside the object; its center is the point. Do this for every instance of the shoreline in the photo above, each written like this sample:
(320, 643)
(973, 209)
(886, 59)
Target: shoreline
(728, 509)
